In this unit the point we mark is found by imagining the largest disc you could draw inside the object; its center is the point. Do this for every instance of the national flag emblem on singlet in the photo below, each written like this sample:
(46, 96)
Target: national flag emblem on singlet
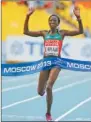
(53, 45)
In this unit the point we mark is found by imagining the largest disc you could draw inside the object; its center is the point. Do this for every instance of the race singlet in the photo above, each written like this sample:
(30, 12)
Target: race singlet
(52, 47)
(52, 44)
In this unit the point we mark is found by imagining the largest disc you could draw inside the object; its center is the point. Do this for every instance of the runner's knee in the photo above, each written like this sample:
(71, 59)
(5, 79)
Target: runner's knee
(40, 92)
(49, 86)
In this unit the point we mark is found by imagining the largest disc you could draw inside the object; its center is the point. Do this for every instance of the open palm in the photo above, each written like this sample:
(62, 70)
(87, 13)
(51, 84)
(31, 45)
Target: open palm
(30, 12)
(77, 12)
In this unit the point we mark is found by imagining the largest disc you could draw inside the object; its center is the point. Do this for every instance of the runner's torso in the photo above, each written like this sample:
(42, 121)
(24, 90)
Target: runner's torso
(52, 44)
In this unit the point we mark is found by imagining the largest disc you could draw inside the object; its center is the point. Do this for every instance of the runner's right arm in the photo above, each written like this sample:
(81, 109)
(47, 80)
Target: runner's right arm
(26, 30)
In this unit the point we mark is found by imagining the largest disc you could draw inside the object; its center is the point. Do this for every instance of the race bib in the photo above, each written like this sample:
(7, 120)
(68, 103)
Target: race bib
(52, 47)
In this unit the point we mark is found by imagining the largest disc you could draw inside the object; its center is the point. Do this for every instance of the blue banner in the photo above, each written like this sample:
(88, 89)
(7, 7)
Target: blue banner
(44, 64)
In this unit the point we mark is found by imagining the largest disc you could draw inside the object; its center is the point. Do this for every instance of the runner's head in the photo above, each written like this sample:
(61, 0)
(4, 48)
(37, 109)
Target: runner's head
(54, 21)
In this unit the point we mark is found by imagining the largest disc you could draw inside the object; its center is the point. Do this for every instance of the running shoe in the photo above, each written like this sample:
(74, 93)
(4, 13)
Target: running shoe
(48, 117)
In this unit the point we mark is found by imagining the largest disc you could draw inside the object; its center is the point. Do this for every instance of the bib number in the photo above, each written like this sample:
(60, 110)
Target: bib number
(51, 50)
(52, 47)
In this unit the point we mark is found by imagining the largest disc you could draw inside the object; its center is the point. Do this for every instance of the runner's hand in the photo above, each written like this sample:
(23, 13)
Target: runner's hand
(77, 12)
(30, 12)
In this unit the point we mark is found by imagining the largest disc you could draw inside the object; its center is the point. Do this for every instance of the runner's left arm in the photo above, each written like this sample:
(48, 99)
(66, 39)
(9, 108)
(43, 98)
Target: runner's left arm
(76, 32)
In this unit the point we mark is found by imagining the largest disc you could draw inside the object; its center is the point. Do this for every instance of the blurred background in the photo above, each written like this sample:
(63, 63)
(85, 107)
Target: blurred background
(72, 88)
(14, 13)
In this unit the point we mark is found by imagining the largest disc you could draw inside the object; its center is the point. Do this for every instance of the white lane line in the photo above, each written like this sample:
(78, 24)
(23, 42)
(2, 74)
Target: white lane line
(10, 79)
(15, 79)
(30, 84)
(20, 86)
(71, 85)
(23, 101)
(55, 90)
(22, 77)
(22, 117)
(73, 109)
(26, 85)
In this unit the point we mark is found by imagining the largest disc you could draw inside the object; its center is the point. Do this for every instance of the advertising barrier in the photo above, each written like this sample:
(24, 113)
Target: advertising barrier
(26, 48)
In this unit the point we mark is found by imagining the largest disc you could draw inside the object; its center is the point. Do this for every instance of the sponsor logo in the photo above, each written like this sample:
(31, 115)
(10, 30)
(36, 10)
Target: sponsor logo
(17, 48)
(41, 46)
(78, 66)
(32, 47)
(86, 51)
(64, 49)
(27, 68)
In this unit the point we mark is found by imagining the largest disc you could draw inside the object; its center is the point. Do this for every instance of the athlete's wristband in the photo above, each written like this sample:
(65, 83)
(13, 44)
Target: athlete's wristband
(79, 19)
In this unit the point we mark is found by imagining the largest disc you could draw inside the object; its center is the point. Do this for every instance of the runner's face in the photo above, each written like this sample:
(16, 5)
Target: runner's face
(53, 22)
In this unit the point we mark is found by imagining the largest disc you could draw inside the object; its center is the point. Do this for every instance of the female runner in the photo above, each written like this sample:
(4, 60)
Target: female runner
(53, 40)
